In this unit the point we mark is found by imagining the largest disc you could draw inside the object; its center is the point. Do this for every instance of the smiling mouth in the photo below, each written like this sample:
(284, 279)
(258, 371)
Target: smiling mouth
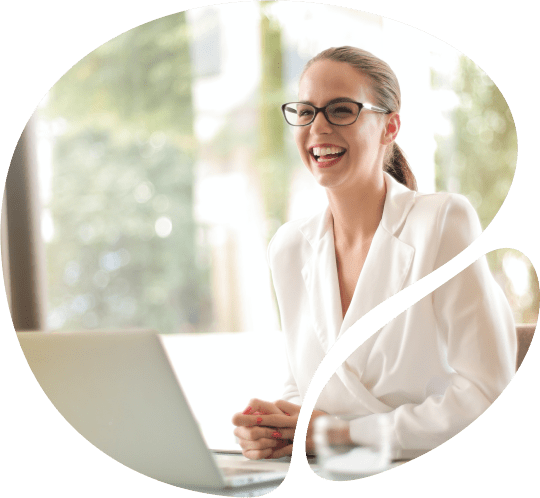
(326, 154)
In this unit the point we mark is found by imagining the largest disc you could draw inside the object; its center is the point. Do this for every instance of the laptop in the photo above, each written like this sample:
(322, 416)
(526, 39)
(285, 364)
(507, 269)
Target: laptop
(119, 391)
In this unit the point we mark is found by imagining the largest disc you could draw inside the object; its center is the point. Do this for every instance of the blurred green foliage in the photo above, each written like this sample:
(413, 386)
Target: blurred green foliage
(272, 163)
(126, 251)
(478, 159)
(122, 175)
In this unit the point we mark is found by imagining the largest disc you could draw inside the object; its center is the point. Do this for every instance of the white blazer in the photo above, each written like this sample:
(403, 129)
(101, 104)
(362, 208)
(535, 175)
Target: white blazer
(434, 368)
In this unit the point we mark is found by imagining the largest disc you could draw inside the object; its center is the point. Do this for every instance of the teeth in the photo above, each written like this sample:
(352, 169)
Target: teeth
(323, 151)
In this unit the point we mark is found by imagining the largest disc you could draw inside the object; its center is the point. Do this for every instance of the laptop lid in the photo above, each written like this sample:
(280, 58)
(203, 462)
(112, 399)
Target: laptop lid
(118, 390)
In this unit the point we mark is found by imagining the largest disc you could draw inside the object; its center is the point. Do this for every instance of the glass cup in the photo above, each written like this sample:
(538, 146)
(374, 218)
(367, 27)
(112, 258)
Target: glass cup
(341, 459)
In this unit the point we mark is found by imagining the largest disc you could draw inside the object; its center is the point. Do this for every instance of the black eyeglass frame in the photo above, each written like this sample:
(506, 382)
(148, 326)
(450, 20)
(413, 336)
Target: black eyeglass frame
(361, 106)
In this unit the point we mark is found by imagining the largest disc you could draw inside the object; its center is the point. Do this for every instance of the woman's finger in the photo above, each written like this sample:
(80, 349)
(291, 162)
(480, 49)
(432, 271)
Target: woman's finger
(254, 433)
(281, 452)
(259, 444)
(257, 454)
(285, 433)
(260, 407)
(288, 408)
(274, 420)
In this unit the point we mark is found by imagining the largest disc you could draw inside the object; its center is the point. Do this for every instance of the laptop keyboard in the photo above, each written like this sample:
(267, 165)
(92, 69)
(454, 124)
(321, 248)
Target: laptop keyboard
(236, 471)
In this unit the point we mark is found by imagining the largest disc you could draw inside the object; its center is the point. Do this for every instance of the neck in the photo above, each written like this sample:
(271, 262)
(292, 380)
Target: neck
(357, 212)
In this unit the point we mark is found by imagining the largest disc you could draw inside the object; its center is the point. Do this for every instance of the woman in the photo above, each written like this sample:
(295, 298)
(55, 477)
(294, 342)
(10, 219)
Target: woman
(438, 365)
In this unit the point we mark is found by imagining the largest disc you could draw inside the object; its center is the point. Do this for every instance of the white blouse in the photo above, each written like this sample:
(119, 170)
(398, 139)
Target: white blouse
(434, 368)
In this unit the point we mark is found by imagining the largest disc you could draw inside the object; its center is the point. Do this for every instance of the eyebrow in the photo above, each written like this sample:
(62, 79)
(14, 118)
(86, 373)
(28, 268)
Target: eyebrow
(333, 101)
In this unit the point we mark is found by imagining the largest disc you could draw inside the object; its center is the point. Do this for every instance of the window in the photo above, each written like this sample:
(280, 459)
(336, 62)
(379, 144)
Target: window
(153, 171)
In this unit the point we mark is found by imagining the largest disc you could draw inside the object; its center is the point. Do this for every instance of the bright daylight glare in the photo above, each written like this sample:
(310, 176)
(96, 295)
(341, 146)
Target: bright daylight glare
(165, 167)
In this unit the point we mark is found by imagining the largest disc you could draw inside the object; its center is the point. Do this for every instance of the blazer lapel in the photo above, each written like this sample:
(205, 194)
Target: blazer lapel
(320, 277)
(388, 260)
(382, 276)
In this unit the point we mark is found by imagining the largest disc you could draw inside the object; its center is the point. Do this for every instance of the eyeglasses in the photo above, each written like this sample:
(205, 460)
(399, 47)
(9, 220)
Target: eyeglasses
(337, 113)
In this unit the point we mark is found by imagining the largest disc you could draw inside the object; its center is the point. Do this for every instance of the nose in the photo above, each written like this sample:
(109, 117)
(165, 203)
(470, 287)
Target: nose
(320, 124)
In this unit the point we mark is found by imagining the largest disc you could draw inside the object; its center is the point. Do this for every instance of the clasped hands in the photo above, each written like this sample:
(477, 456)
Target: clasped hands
(266, 430)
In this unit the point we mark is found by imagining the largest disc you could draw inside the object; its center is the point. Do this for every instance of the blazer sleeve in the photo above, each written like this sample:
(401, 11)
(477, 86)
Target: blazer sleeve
(477, 335)
(290, 389)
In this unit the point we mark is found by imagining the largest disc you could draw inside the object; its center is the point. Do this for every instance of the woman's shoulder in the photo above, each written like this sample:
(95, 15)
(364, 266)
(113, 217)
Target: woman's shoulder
(442, 205)
(288, 235)
(292, 238)
(420, 211)
(446, 215)
(436, 199)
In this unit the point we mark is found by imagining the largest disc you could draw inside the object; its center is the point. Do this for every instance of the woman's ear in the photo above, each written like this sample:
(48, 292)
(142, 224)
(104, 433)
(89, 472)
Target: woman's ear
(391, 129)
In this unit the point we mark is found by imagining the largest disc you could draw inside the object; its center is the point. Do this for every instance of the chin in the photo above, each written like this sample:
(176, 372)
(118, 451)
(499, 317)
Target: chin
(325, 180)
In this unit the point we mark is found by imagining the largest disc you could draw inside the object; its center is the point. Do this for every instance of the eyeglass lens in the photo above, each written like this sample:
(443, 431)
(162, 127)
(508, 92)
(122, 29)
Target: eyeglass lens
(340, 113)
